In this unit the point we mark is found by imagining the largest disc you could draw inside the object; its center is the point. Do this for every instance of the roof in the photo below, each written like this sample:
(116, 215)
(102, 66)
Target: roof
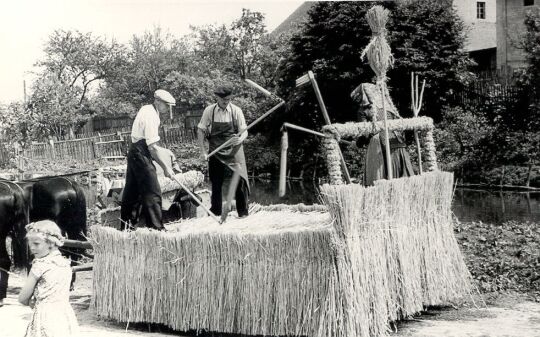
(298, 16)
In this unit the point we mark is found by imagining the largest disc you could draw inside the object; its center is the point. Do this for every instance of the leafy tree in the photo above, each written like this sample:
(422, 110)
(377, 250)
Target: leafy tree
(79, 59)
(55, 108)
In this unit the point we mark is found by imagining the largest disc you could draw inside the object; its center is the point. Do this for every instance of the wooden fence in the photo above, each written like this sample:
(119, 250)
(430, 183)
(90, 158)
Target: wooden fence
(106, 146)
(484, 92)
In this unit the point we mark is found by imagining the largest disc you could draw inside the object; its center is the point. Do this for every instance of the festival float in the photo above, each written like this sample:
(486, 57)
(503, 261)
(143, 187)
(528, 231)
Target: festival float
(365, 257)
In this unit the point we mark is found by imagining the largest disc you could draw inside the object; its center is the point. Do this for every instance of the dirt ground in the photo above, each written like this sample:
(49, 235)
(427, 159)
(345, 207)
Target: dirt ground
(507, 316)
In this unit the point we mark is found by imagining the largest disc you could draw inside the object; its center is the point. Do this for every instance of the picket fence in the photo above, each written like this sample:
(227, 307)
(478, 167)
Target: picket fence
(102, 146)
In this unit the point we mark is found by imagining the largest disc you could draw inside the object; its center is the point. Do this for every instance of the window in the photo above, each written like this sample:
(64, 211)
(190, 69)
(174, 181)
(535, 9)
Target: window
(481, 10)
(528, 2)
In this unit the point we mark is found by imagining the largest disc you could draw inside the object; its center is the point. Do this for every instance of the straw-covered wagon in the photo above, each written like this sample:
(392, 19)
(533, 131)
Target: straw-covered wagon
(365, 257)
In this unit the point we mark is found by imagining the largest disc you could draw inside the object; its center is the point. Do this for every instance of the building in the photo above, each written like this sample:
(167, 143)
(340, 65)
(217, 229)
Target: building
(510, 27)
(480, 19)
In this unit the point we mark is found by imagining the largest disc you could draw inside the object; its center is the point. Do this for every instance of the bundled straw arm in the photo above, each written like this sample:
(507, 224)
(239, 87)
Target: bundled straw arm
(363, 129)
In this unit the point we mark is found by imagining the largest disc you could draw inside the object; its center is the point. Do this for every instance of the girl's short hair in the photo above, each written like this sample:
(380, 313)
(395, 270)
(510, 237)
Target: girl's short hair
(46, 229)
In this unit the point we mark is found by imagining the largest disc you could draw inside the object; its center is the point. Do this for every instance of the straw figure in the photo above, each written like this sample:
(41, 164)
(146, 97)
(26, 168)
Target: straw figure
(370, 104)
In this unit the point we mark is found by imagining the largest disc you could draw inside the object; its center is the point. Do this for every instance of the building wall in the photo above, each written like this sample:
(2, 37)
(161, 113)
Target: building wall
(467, 10)
(510, 17)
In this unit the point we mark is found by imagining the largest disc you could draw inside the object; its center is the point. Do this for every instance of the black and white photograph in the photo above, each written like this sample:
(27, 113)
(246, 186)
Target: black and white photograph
(250, 168)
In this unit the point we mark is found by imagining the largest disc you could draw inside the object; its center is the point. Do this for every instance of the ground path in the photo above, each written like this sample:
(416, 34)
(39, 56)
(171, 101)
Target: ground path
(508, 317)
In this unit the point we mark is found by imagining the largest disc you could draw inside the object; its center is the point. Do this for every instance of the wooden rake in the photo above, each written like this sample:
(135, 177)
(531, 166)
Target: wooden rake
(310, 78)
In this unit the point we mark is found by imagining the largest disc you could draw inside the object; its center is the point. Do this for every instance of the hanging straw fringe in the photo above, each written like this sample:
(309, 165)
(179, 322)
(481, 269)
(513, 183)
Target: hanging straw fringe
(380, 254)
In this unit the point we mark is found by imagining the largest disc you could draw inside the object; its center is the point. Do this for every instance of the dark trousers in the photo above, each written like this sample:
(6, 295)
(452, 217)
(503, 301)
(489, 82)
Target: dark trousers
(5, 263)
(141, 189)
(216, 171)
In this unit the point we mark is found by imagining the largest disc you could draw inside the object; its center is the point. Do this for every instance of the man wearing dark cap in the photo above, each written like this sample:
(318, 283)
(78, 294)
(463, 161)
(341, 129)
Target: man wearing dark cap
(219, 123)
(142, 185)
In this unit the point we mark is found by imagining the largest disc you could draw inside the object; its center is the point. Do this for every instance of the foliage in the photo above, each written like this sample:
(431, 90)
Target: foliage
(267, 159)
(458, 137)
(502, 257)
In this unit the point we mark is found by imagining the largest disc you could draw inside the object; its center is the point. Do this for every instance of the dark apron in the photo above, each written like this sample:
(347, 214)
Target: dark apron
(231, 156)
(142, 187)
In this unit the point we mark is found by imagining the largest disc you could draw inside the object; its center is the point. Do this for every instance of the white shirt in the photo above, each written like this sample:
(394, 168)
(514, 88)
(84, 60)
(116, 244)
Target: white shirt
(146, 125)
(222, 115)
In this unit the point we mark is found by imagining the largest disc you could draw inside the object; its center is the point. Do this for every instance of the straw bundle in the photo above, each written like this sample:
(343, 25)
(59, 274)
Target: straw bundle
(378, 50)
(400, 249)
(190, 179)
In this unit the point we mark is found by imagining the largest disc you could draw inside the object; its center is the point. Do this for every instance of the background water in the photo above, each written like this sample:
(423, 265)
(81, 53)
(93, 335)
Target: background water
(468, 204)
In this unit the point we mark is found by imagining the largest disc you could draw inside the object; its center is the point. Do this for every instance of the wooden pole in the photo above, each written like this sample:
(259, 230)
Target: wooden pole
(283, 163)
(328, 122)
(386, 140)
(227, 142)
(313, 132)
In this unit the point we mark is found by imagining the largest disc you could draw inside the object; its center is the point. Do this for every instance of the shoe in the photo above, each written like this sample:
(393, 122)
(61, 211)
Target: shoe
(242, 216)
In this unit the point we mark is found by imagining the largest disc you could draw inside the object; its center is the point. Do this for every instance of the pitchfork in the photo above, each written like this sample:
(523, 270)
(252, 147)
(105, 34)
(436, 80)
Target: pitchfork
(416, 105)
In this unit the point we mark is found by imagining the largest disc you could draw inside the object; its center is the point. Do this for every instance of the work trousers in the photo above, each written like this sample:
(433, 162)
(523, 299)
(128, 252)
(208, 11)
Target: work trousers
(216, 171)
(141, 190)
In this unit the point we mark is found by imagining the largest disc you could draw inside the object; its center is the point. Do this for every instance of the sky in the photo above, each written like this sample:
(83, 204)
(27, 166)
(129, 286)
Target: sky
(25, 25)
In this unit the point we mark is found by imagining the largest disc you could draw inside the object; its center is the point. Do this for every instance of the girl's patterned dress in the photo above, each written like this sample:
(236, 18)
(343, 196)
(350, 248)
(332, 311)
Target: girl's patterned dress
(53, 315)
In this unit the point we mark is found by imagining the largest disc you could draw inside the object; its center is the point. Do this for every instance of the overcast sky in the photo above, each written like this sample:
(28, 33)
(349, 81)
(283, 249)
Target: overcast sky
(25, 25)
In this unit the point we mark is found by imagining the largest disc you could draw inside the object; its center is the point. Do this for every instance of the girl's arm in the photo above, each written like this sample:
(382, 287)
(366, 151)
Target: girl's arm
(28, 289)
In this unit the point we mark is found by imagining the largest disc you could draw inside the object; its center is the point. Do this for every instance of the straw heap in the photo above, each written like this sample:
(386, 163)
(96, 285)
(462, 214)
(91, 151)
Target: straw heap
(379, 255)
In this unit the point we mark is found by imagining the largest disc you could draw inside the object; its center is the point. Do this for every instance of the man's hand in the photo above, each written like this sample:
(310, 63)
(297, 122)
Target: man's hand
(204, 156)
(176, 167)
(235, 140)
(169, 173)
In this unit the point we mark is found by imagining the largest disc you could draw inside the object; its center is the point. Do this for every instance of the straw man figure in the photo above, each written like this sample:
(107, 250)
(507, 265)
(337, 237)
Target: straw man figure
(370, 108)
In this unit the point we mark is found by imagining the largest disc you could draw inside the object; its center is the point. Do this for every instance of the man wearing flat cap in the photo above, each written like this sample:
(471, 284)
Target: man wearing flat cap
(221, 122)
(142, 185)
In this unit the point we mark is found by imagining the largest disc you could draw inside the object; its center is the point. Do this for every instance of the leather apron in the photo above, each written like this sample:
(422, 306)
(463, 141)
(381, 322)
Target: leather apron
(220, 132)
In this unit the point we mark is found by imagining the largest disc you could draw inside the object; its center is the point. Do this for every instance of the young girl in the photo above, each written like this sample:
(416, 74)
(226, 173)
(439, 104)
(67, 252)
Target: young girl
(48, 281)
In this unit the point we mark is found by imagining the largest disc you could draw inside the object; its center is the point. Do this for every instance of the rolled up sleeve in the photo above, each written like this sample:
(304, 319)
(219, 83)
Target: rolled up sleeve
(240, 119)
(151, 128)
(204, 122)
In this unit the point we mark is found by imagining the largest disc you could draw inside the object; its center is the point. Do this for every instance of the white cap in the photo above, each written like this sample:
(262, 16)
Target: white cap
(164, 96)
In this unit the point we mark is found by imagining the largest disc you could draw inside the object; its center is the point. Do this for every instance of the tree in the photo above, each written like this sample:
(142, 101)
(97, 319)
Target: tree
(77, 60)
